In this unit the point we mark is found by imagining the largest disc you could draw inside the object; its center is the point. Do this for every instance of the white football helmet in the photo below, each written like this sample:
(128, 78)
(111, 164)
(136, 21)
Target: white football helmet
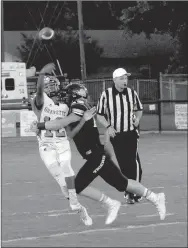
(51, 86)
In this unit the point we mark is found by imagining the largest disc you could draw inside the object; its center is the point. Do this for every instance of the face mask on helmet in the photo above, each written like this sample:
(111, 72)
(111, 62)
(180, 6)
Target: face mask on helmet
(73, 92)
(51, 86)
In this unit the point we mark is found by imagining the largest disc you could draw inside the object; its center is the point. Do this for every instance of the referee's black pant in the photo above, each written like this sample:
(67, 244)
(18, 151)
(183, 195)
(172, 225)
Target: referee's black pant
(125, 146)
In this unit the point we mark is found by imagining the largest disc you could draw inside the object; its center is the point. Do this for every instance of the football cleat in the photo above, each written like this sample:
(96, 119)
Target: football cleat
(160, 205)
(138, 198)
(85, 218)
(113, 209)
(129, 198)
(82, 211)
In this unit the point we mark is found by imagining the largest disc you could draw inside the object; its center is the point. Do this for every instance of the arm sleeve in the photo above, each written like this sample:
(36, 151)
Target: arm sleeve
(137, 103)
(37, 110)
(78, 109)
(101, 106)
(34, 105)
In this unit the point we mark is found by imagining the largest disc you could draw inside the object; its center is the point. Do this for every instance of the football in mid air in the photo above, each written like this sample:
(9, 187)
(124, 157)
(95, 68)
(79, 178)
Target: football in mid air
(46, 33)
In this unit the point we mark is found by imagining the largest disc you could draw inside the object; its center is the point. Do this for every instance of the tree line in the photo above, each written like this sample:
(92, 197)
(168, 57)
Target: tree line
(150, 17)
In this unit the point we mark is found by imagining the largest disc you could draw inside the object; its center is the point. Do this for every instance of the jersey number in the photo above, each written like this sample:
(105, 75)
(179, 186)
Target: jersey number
(49, 133)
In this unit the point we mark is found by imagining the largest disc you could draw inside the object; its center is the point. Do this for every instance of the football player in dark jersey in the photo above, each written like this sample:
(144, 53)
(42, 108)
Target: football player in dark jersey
(98, 163)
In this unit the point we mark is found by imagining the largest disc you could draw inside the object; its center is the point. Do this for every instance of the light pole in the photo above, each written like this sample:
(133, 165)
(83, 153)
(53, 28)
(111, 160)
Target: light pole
(81, 41)
(2, 33)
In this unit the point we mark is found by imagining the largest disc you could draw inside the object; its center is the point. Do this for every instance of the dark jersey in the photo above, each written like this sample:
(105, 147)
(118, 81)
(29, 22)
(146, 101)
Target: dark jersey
(87, 139)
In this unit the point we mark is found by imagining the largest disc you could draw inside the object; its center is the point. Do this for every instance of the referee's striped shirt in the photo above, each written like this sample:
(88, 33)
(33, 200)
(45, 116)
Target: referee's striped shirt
(119, 107)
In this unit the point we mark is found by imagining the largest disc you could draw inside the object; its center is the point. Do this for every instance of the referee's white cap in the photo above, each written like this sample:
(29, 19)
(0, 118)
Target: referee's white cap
(120, 72)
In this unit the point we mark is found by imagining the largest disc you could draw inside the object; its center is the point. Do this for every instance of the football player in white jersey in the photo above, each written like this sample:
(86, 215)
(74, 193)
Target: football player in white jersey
(54, 146)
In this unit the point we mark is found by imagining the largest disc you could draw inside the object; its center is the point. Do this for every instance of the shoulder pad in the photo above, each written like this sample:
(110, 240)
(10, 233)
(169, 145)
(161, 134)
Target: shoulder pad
(79, 104)
(78, 108)
(80, 101)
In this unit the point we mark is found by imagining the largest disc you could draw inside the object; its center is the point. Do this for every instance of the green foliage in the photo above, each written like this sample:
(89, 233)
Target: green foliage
(65, 47)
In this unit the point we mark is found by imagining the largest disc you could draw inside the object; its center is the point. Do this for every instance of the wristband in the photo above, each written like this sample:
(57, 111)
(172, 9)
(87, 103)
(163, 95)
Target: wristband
(41, 125)
(108, 126)
(44, 74)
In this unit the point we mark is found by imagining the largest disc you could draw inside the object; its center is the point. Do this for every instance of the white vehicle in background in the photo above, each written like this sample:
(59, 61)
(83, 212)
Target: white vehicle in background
(13, 85)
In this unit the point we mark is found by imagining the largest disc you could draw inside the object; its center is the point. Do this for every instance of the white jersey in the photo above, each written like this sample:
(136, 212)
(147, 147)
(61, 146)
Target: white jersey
(50, 111)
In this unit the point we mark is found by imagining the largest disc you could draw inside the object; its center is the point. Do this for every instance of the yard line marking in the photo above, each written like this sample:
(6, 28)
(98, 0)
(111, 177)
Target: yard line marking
(131, 205)
(103, 215)
(22, 182)
(179, 186)
(124, 228)
(46, 212)
(73, 213)
(56, 215)
(54, 211)
(68, 210)
(60, 211)
(160, 187)
(152, 215)
(138, 204)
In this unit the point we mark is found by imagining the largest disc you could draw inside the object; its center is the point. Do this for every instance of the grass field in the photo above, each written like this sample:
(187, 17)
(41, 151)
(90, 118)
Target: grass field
(34, 213)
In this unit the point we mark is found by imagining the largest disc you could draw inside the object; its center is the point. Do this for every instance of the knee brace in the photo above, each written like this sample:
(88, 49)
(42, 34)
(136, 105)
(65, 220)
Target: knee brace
(57, 173)
(67, 169)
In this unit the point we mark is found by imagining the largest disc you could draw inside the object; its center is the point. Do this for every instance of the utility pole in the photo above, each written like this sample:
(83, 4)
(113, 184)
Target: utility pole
(81, 41)
(2, 33)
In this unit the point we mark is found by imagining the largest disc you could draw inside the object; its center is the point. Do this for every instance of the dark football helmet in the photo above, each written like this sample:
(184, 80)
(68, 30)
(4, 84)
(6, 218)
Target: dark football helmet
(74, 91)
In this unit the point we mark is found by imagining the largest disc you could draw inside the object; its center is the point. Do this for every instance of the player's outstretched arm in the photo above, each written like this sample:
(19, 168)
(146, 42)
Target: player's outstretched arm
(58, 123)
(71, 132)
(88, 114)
(102, 120)
(39, 99)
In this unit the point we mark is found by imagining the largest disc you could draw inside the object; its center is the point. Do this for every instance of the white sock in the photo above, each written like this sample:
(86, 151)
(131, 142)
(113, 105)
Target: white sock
(150, 196)
(145, 192)
(65, 191)
(73, 197)
(105, 199)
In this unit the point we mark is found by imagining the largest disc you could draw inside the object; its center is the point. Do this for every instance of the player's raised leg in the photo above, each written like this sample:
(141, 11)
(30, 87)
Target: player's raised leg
(112, 205)
(113, 176)
(64, 158)
(158, 199)
(82, 181)
(49, 157)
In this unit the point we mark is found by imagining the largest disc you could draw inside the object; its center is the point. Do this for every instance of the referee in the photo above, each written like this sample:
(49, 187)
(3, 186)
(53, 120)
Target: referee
(119, 110)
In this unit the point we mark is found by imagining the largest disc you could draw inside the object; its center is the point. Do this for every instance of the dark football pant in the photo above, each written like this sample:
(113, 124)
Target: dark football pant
(125, 146)
(99, 165)
(140, 168)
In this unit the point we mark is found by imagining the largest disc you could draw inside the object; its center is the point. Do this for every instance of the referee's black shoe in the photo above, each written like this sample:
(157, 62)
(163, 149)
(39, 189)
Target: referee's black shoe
(137, 198)
(129, 198)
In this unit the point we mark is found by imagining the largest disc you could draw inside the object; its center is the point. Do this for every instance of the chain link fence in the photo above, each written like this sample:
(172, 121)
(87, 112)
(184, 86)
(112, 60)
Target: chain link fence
(147, 89)
(174, 86)
(159, 97)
